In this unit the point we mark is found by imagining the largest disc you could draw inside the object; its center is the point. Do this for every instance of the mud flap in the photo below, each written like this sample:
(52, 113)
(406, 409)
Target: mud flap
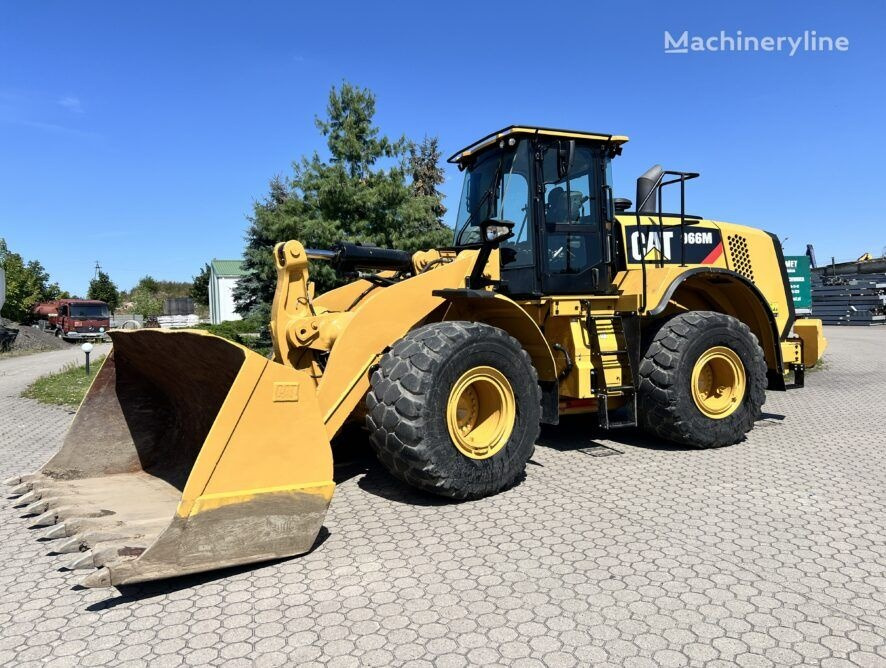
(188, 453)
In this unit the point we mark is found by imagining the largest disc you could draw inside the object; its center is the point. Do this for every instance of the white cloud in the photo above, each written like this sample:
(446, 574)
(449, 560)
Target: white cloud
(71, 103)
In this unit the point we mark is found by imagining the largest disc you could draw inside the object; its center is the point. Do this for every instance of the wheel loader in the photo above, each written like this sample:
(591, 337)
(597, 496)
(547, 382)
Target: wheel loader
(191, 453)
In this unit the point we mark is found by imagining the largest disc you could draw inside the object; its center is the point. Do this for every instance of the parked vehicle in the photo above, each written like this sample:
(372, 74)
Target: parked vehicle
(74, 319)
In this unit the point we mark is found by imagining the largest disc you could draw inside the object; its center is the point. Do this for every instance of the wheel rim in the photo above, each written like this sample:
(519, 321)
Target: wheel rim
(718, 382)
(481, 412)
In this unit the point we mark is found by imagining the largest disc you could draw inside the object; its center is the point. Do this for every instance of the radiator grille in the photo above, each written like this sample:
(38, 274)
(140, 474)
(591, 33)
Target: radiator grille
(741, 258)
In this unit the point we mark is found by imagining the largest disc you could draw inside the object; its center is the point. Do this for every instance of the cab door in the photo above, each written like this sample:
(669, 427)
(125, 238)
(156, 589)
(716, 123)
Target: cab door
(571, 185)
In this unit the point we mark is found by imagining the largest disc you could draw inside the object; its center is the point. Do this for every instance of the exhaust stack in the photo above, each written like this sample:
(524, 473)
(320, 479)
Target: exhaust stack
(647, 187)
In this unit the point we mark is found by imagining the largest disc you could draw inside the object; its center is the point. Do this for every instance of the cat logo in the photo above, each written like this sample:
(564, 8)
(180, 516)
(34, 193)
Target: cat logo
(651, 244)
(697, 245)
(654, 255)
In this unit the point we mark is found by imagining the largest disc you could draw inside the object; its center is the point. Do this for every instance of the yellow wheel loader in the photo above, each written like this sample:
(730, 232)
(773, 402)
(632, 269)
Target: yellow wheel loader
(191, 453)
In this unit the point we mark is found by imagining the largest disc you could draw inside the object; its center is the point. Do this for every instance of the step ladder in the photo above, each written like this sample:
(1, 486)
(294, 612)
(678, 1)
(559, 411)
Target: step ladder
(626, 355)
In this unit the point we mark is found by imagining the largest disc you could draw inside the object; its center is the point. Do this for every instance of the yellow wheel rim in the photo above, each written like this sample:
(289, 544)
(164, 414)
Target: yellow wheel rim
(718, 382)
(481, 412)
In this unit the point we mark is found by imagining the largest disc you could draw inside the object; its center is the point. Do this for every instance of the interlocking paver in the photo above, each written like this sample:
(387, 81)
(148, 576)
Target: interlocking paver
(770, 552)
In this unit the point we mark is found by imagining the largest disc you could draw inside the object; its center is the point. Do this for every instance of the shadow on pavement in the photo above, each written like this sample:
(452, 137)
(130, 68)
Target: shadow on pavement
(379, 482)
(580, 432)
(147, 590)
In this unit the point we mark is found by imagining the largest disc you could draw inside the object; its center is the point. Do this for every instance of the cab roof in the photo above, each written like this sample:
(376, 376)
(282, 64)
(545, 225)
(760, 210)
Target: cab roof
(492, 138)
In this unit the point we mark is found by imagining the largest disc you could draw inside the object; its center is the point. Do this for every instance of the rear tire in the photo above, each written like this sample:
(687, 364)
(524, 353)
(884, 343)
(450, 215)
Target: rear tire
(414, 404)
(674, 401)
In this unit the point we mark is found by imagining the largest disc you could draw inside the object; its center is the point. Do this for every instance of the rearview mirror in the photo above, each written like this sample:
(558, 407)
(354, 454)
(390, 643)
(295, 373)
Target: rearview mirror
(495, 230)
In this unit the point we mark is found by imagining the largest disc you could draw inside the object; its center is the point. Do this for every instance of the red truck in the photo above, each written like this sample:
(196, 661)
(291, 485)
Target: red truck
(74, 319)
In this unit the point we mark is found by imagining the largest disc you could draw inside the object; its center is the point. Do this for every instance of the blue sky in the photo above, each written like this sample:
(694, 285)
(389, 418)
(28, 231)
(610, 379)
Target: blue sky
(138, 134)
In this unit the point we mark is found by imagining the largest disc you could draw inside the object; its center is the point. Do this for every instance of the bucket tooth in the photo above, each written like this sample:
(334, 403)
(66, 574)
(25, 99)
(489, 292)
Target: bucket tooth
(108, 554)
(71, 527)
(85, 561)
(79, 524)
(75, 544)
(27, 478)
(47, 519)
(38, 507)
(54, 515)
(23, 488)
(26, 500)
(90, 539)
(101, 578)
(58, 531)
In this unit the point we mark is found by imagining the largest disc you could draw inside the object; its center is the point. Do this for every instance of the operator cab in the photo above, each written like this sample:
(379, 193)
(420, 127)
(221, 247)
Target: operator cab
(554, 186)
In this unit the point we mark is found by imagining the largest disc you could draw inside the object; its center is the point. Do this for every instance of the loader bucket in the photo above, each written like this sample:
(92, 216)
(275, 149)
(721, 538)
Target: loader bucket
(188, 453)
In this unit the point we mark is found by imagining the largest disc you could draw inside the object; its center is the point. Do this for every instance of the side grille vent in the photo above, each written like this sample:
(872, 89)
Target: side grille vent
(741, 258)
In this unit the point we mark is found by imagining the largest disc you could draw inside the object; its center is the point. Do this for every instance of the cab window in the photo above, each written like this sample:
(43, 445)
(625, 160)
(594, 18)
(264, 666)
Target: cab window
(498, 187)
(572, 212)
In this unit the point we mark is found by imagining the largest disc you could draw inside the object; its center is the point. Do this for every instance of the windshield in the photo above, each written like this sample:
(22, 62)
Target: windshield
(496, 186)
(89, 311)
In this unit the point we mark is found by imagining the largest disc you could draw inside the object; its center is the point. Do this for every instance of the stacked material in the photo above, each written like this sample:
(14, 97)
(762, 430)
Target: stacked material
(178, 321)
(849, 300)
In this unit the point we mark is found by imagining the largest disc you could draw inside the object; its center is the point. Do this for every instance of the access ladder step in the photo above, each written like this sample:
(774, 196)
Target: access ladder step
(622, 425)
(603, 412)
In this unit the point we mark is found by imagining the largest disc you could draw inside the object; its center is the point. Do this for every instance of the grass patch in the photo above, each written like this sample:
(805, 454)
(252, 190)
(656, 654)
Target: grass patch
(821, 365)
(65, 387)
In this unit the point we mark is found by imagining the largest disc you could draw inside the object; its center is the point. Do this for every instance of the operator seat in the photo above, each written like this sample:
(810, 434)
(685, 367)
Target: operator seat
(559, 210)
(568, 252)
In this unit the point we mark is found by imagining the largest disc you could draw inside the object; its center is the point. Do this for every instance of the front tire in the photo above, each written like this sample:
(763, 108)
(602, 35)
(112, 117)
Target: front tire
(454, 409)
(702, 380)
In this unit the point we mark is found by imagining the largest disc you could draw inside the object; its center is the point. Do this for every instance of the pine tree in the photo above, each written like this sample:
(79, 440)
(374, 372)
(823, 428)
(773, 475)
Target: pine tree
(200, 287)
(104, 289)
(362, 193)
(427, 173)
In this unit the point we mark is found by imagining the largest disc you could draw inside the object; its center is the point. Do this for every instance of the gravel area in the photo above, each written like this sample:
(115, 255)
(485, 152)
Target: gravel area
(31, 339)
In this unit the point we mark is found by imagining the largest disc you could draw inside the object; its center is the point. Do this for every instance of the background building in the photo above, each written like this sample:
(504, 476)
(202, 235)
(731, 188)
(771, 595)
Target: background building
(223, 276)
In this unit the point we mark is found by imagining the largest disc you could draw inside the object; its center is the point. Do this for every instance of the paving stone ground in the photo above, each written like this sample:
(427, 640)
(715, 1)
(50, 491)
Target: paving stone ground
(619, 551)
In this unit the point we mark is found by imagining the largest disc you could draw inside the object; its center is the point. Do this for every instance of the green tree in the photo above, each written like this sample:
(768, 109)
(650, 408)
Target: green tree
(277, 217)
(363, 193)
(27, 284)
(104, 289)
(427, 173)
(147, 284)
(158, 288)
(146, 303)
(200, 287)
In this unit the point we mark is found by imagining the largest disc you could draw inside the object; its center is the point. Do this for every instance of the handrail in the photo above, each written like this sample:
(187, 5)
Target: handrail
(657, 188)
